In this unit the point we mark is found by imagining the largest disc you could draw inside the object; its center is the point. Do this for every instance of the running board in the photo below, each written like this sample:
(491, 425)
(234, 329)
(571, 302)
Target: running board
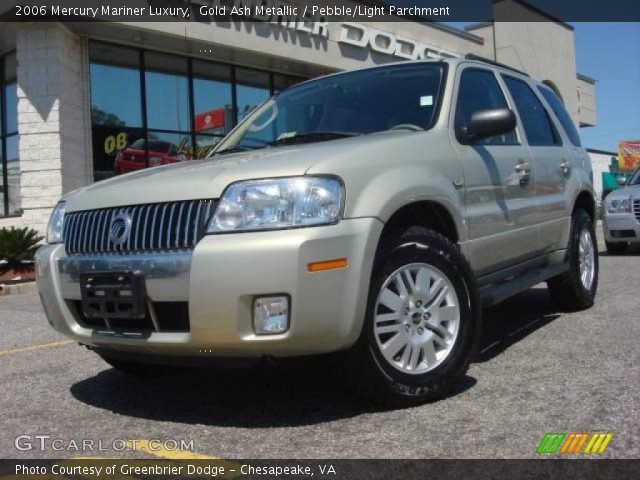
(497, 293)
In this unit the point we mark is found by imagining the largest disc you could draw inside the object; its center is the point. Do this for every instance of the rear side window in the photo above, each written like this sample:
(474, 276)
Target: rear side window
(479, 90)
(535, 120)
(561, 114)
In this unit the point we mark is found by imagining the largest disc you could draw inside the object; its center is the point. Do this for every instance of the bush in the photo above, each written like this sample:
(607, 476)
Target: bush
(18, 244)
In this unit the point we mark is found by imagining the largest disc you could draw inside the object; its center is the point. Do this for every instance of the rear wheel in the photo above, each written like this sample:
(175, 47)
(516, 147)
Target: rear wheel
(616, 248)
(422, 320)
(576, 288)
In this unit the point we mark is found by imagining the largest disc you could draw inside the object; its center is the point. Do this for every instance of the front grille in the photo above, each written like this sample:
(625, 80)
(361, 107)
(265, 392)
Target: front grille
(157, 226)
(170, 317)
(636, 209)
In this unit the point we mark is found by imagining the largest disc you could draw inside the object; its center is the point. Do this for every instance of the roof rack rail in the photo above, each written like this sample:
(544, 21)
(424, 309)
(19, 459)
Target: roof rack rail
(473, 56)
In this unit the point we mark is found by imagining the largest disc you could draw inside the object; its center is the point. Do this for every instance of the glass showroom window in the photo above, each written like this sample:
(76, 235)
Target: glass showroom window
(9, 158)
(151, 109)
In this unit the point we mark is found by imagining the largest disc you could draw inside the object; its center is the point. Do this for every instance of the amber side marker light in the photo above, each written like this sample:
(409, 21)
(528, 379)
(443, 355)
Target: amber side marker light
(327, 265)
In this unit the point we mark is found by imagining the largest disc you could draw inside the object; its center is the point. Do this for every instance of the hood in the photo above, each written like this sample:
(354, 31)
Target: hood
(625, 192)
(207, 178)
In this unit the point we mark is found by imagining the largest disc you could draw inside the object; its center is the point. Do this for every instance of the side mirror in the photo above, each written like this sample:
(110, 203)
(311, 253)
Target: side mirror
(487, 123)
(622, 181)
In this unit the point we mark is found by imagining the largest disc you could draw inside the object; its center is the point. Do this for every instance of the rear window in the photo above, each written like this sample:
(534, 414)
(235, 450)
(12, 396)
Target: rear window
(536, 122)
(561, 114)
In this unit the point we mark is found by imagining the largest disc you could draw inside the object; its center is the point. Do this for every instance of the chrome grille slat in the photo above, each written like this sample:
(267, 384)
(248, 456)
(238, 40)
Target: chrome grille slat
(636, 209)
(98, 226)
(173, 207)
(74, 228)
(187, 229)
(84, 224)
(91, 221)
(144, 227)
(76, 235)
(153, 225)
(179, 226)
(196, 223)
(164, 211)
(157, 226)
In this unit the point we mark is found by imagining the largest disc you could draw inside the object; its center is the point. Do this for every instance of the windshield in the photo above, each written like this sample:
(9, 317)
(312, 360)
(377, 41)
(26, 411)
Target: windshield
(635, 178)
(401, 97)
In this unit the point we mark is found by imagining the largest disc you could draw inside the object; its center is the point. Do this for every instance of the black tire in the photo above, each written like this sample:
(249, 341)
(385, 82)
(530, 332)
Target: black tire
(372, 374)
(616, 248)
(567, 289)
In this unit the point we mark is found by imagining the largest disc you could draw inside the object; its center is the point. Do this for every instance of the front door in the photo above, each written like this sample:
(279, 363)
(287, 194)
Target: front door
(499, 179)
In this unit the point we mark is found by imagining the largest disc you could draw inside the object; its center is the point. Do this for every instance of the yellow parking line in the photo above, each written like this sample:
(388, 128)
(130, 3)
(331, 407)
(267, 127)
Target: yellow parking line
(35, 347)
(158, 450)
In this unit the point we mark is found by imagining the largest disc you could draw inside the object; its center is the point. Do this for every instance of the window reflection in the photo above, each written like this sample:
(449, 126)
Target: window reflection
(167, 90)
(212, 98)
(252, 90)
(115, 86)
(9, 141)
(13, 174)
(280, 82)
(187, 108)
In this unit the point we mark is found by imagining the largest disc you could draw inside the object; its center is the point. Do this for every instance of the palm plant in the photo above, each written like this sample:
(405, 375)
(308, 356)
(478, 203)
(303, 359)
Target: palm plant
(18, 245)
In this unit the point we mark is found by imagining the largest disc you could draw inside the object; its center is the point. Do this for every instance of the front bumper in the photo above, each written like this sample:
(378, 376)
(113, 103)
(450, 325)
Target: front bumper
(219, 279)
(621, 227)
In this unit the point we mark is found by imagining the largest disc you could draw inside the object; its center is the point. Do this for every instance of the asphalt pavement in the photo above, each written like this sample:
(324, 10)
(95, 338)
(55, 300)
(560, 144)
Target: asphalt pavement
(539, 370)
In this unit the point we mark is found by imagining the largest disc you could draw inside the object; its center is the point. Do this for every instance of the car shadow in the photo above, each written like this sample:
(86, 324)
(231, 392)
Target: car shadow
(513, 320)
(258, 397)
(633, 250)
(267, 396)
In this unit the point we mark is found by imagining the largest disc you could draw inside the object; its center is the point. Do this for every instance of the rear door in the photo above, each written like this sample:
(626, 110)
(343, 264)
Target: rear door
(499, 179)
(553, 161)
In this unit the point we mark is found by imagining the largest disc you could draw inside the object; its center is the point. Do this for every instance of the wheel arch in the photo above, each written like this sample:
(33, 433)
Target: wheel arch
(429, 214)
(585, 201)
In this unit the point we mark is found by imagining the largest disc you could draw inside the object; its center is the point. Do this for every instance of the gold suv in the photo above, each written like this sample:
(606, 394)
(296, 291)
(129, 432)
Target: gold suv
(373, 212)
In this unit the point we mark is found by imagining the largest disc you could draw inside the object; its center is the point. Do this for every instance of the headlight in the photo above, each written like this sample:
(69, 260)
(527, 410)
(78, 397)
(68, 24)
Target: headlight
(278, 203)
(619, 206)
(56, 221)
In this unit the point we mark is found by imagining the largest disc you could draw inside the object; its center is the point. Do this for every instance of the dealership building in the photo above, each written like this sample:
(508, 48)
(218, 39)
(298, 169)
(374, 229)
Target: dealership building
(83, 101)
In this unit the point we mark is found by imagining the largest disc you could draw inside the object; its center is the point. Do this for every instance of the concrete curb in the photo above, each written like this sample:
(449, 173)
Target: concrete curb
(28, 287)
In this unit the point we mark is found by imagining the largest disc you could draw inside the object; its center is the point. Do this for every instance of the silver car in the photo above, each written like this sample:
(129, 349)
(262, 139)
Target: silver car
(372, 213)
(621, 216)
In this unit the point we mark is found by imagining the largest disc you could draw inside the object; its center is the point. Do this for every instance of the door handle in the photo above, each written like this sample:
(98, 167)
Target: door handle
(565, 167)
(524, 170)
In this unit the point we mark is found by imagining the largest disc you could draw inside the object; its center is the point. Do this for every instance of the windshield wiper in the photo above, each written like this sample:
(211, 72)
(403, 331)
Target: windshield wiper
(312, 137)
(235, 148)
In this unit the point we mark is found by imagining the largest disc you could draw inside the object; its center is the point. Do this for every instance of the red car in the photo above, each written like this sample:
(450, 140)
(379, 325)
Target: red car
(160, 153)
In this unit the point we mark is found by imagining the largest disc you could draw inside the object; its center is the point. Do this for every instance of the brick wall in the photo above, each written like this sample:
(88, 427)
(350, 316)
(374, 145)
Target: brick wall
(53, 117)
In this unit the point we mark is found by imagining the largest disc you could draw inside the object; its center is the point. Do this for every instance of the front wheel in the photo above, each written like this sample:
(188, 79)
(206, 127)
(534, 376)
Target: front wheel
(576, 288)
(422, 323)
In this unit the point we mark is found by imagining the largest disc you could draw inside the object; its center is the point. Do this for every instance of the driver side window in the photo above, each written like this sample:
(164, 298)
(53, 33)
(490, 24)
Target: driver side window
(479, 90)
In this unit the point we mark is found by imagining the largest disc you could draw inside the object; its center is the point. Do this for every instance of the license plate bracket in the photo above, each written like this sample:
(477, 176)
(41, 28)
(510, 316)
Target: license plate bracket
(113, 294)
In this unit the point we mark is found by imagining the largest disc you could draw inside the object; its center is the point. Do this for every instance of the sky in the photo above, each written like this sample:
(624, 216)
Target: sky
(609, 53)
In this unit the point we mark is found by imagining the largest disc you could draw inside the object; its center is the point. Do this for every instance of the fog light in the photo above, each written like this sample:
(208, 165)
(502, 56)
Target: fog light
(270, 315)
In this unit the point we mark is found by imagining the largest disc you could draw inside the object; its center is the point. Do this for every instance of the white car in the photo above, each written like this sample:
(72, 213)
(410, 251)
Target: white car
(621, 219)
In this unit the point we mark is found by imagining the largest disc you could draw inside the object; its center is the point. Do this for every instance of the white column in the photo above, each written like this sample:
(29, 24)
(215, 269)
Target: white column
(54, 119)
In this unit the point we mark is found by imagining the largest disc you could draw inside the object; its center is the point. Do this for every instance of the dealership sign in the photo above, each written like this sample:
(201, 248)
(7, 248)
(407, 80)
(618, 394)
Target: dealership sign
(629, 155)
(364, 36)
